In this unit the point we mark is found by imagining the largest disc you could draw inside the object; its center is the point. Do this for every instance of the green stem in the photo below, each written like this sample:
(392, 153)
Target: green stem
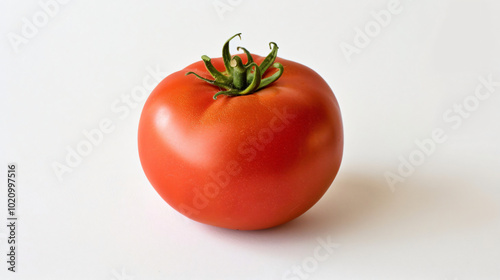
(270, 57)
(238, 78)
(226, 55)
(239, 73)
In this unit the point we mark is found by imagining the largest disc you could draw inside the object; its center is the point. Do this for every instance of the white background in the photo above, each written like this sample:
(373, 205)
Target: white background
(103, 220)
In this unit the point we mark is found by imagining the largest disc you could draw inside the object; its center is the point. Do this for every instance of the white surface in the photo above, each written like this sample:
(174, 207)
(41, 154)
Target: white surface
(104, 220)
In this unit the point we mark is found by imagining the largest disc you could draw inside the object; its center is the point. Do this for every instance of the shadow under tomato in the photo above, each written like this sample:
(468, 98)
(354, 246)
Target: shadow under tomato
(362, 208)
(352, 200)
(349, 201)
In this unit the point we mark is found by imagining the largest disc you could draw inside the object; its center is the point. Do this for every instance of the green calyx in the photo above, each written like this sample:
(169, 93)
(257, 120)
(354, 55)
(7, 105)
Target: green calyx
(238, 78)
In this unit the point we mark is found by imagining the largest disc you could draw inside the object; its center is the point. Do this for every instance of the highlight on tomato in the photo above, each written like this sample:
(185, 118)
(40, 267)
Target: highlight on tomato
(241, 141)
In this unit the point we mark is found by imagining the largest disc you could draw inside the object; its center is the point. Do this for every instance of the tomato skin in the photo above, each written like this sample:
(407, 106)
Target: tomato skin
(246, 162)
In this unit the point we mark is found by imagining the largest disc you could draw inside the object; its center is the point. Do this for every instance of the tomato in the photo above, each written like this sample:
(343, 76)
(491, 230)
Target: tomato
(242, 159)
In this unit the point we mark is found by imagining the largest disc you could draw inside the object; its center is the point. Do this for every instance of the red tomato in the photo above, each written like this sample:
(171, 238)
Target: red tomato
(244, 162)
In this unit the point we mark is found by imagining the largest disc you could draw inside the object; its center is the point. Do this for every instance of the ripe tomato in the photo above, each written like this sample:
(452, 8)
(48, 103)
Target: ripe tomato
(251, 159)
